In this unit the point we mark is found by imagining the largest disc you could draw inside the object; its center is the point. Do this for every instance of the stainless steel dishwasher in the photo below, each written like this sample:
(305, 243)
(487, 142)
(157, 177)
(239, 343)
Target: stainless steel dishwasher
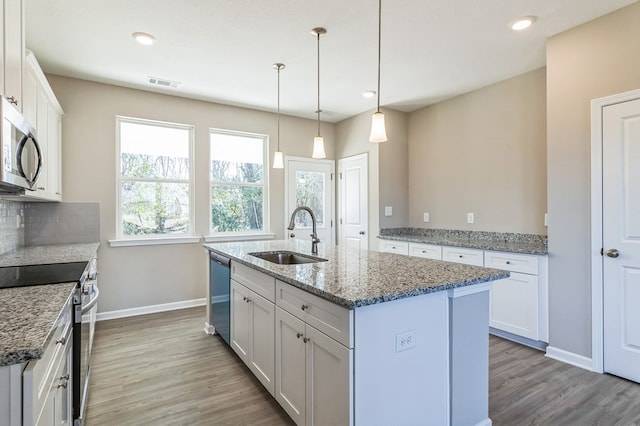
(219, 289)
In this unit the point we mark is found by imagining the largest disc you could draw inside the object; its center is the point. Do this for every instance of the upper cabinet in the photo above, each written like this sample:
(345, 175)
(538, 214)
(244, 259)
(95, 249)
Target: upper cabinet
(13, 42)
(43, 111)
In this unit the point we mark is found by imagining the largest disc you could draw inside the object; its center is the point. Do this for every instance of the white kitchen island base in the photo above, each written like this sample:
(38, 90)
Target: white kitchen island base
(442, 377)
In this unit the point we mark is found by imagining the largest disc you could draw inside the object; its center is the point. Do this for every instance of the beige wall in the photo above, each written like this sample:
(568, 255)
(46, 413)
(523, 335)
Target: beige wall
(150, 275)
(596, 59)
(387, 167)
(481, 152)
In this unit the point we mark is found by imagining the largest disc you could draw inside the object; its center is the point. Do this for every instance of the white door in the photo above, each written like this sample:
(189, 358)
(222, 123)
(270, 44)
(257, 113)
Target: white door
(240, 321)
(310, 183)
(290, 365)
(353, 187)
(263, 341)
(621, 232)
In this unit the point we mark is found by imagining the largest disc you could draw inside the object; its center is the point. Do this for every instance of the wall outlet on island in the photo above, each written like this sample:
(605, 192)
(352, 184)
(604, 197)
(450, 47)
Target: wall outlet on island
(406, 340)
(471, 217)
(425, 217)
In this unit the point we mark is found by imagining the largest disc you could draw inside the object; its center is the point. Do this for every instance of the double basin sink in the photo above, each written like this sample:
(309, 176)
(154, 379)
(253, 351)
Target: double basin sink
(284, 257)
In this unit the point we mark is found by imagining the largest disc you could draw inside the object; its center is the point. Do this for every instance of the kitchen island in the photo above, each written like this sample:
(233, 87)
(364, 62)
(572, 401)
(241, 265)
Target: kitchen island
(365, 337)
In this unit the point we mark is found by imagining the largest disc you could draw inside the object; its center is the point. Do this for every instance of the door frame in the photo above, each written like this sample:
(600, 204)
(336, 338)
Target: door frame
(597, 270)
(332, 195)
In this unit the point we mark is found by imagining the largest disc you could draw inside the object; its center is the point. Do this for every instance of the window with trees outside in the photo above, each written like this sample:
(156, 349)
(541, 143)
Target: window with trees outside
(238, 182)
(155, 178)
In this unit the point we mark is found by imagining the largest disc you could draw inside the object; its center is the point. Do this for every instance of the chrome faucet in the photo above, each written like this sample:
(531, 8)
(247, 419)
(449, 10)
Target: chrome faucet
(314, 236)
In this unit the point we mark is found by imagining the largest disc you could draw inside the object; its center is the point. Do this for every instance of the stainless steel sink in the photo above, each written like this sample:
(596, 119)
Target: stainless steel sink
(286, 257)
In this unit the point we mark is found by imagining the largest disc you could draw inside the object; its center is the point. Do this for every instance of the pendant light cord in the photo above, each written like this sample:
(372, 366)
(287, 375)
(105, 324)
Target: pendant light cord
(318, 111)
(278, 115)
(379, 49)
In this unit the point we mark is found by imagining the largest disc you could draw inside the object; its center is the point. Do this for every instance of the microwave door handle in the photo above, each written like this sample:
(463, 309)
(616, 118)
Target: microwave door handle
(92, 302)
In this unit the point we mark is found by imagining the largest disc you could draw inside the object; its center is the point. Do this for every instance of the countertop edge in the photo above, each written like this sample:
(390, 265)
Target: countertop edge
(507, 248)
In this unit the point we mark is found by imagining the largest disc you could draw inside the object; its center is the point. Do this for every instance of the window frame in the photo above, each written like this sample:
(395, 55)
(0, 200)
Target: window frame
(149, 239)
(242, 235)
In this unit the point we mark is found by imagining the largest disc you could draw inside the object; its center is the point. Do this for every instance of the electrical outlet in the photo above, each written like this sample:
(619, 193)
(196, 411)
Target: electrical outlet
(388, 210)
(406, 340)
(426, 217)
(471, 218)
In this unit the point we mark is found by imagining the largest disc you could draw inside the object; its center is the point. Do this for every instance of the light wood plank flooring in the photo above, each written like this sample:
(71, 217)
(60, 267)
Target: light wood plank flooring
(161, 369)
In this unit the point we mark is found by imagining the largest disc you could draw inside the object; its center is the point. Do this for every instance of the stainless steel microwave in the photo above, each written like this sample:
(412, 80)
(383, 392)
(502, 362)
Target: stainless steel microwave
(21, 156)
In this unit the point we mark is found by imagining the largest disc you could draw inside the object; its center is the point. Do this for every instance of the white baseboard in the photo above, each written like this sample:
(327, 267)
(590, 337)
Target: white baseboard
(152, 309)
(485, 422)
(569, 358)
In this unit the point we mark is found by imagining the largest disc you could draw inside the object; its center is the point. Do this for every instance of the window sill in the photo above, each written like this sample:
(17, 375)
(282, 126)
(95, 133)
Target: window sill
(153, 241)
(238, 237)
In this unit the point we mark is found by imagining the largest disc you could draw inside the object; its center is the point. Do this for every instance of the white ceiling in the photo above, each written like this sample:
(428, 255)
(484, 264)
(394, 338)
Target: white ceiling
(223, 50)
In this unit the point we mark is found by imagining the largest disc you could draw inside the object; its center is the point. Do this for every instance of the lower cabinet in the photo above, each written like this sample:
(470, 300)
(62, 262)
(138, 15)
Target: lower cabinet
(252, 332)
(313, 373)
(514, 305)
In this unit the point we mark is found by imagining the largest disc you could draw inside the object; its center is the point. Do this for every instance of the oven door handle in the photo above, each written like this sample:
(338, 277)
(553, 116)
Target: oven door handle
(92, 302)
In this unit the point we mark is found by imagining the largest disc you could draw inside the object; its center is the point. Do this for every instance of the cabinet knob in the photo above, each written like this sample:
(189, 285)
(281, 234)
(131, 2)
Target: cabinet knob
(41, 188)
(306, 339)
(62, 385)
(305, 307)
(424, 251)
(299, 335)
(292, 235)
(247, 300)
(461, 256)
(508, 262)
(12, 100)
(361, 232)
(61, 341)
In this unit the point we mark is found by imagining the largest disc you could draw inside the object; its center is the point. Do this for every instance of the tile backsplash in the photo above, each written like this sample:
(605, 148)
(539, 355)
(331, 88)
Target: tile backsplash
(11, 226)
(29, 224)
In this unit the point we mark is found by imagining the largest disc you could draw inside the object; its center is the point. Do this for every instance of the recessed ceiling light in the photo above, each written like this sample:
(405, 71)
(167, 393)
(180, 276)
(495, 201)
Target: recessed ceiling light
(522, 23)
(144, 38)
(369, 94)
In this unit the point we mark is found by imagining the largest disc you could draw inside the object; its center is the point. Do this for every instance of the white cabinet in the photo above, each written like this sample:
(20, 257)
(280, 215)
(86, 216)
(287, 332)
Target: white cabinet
(313, 373)
(12, 54)
(428, 251)
(398, 247)
(463, 255)
(252, 327)
(43, 112)
(46, 397)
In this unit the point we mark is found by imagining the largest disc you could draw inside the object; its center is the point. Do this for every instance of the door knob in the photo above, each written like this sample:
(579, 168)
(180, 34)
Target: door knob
(613, 253)
(361, 232)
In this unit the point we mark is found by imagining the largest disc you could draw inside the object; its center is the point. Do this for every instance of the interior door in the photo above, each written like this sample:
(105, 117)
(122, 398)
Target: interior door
(353, 187)
(621, 239)
(310, 183)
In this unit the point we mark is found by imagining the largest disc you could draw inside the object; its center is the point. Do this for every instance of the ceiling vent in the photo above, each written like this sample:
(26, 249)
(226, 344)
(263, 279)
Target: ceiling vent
(162, 82)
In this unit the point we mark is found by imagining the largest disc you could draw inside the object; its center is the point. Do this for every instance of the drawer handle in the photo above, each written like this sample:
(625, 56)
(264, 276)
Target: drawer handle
(299, 335)
(393, 247)
(306, 339)
(424, 251)
(12, 100)
(62, 385)
(65, 377)
(247, 300)
(61, 341)
(305, 307)
(461, 256)
(508, 262)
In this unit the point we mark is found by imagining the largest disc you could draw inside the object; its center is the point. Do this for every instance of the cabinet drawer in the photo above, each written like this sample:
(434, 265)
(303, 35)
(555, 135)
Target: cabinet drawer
(463, 255)
(427, 251)
(254, 280)
(524, 263)
(333, 320)
(398, 247)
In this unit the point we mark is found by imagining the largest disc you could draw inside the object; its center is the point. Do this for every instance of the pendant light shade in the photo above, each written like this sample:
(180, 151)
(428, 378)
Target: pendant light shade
(318, 141)
(378, 130)
(278, 162)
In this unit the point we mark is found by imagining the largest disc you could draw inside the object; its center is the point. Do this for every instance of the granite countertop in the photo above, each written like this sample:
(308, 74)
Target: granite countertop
(27, 317)
(494, 241)
(55, 253)
(354, 278)
(27, 314)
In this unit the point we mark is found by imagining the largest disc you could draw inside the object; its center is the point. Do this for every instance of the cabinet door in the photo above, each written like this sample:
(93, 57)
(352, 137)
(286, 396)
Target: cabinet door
(514, 305)
(13, 51)
(240, 321)
(329, 380)
(290, 365)
(262, 335)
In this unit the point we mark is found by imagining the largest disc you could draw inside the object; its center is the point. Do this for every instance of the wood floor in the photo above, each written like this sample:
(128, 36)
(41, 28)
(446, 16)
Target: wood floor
(161, 369)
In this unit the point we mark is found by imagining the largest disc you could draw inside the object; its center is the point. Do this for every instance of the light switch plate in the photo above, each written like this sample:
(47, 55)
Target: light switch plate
(425, 217)
(546, 219)
(471, 218)
(388, 210)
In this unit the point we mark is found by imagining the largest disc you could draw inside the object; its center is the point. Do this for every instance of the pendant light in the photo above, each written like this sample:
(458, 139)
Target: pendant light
(278, 162)
(378, 130)
(318, 141)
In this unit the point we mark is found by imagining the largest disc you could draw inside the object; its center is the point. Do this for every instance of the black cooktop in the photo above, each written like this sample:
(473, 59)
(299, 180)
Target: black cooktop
(23, 276)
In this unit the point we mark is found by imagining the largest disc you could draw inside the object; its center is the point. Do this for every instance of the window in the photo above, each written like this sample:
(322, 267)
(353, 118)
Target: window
(238, 182)
(154, 179)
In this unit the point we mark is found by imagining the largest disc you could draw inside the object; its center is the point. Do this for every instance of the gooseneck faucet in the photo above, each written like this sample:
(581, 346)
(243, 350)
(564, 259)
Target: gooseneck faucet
(314, 236)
